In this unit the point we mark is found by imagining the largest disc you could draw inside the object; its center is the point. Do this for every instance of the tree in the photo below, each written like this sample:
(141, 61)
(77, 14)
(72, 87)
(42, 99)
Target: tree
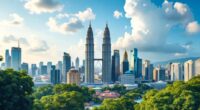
(43, 91)
(177, 96)
(15, 90)
(64, 101)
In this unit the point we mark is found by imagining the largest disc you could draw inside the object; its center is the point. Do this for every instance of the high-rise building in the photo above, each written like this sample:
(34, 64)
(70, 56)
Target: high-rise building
(40, 68)
(147, 70)
(73, 77)
(125, 63)
(197, 67)
(106, 56)
(33, 69)
(66, 66)
(24, 66)
(44, 70)
(127, 78)
(176, 72)
(7, 59)
(136, 64)
(115, 66)
(159, 74)
(49, 64)
(55, 75)
(59, 66)
(89, 57)
(188, 70)
(16, 58)
(77, 63)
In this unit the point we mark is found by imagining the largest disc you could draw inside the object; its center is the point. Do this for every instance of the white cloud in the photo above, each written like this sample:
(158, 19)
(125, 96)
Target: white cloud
(73, 25)
(13, 20)
(193, 27)
(43, 6)
(117, 14)
(151, 26)
(181, 8)
(86, 15)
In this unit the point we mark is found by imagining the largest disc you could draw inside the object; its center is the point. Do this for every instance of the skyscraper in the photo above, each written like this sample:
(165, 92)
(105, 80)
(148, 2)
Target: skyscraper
(33, 69)
(197, 67)
(40, 68)
(115, 66)
(106, 56)
(125, 63)
(89, 57)
(66, 66)
(59, 66)
(24, 66)
(159, 74)
(176, 72)
(16, 58)
(55, 75)
(43, 70)
(147, 70)
(77, 63)
(136, 63)
(188, 70)
(7, 59)
(49, 64)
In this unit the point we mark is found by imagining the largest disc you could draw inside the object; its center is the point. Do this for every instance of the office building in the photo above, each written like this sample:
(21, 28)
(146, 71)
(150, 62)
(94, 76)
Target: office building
(49, 64)
(125, 63)
(197, 67)
(89, 57)
(66, 66)
(16, 58)
(115, 66)
(189, 70)
(176, 72)
(33, 69)
(7, 59)
(106, 57)
(73, 77)
(24, 66)
(77, 63)
(55, 75)
(147, 70)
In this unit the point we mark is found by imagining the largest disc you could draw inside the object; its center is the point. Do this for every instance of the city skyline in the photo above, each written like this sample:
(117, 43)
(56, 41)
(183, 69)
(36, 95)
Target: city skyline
(52, 34)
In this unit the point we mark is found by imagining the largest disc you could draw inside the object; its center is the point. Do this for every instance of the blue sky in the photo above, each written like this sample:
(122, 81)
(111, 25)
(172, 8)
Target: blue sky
(161, 30)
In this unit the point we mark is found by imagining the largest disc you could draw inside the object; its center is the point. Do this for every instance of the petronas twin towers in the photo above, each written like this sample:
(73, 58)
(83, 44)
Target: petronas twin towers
(106, 57)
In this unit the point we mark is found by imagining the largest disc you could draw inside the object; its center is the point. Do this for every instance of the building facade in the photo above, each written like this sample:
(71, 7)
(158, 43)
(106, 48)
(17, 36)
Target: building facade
(73, 77)
(115, 66)
(66, 66)
(188, 70)
(125, 63)
(89, 57)
(55, 75)
(16, 58)
(106, 57)
(7, 59)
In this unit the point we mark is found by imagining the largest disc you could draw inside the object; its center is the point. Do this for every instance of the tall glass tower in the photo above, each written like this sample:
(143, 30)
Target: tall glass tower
(89, 57)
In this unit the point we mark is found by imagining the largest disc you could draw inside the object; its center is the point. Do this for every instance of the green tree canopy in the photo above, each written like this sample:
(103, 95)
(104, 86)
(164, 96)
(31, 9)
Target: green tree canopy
(15, 90)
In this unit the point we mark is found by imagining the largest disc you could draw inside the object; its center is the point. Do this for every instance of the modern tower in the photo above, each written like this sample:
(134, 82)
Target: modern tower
(125, 63)
(7, 59)
(16, 58)
(55, 75)
(24, 66)
(115, 66)
(189, 69)
(66, 66)
(106, 56)
(77, 63)
(89, 57)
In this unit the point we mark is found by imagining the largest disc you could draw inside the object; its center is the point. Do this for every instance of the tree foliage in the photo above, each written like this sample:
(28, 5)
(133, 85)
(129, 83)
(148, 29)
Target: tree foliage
(15, 90)
(177, 96)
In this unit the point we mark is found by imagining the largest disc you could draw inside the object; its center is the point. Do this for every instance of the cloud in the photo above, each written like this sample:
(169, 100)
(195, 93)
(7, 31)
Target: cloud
(193, 27)
(43, 6)
(117, 14)
(73, 25)
(13, 20)
(39, 46)
(150, 35)
(32, 44)
(86, 15)
(11, 38)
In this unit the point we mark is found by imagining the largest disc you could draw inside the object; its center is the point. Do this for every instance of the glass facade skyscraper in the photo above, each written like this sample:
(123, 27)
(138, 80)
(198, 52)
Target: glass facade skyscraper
(16, 58)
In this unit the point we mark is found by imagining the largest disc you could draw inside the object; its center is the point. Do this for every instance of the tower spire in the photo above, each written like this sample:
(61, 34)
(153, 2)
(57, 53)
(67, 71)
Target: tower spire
(90, 24)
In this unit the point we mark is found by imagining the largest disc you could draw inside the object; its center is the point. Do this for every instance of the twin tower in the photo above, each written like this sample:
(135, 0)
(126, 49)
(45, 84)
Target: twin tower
(106, 57)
